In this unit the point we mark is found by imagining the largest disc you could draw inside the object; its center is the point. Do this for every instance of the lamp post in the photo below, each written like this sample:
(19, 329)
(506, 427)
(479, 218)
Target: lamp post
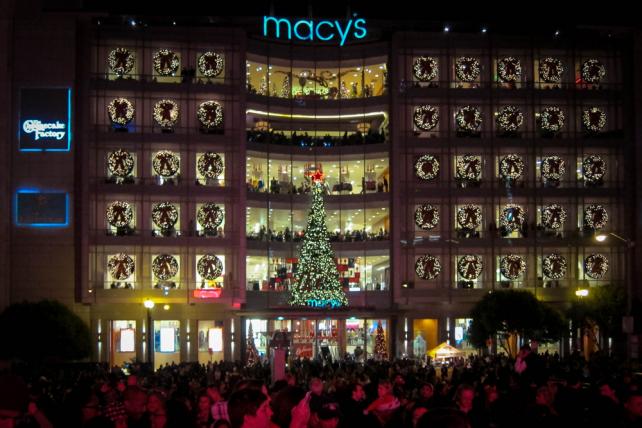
(149, 305)
(627, 320)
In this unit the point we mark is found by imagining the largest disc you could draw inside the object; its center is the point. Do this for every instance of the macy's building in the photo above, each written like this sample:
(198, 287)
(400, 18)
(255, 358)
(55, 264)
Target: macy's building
(150, 160)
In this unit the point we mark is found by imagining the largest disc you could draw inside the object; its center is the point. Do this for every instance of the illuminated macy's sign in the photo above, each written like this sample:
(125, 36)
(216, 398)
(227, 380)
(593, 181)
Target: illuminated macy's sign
(56, 130)
(311, 30)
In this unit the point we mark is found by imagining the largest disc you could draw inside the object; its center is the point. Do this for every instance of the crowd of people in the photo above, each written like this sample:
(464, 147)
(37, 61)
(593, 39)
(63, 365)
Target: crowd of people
(286, 235)
(305, 140)
(477, 392)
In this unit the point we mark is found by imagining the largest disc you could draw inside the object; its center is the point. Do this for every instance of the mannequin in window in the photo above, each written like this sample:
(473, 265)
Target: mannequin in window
(419, 346)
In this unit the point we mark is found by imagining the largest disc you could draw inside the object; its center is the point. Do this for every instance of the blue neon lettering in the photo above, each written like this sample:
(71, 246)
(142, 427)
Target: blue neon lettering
(277, 22)
(358, 27)
(310, 31)
(343, 34)
(318, 34)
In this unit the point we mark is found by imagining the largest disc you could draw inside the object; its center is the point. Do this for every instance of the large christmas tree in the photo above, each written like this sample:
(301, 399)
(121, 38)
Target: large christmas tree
(316, 282)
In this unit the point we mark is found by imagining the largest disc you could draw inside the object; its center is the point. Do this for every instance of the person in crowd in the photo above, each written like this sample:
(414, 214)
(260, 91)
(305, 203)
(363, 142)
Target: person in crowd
(249, 408)
(203, 415)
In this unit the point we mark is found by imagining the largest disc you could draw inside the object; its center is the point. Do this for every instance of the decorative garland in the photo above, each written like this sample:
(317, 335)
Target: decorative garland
(510, 118)
(209, 267)
(166, 62)
(553, 168)
(509, 69)
(119, 214)
(513, 217)
(470, 266)
(469, 216)
(427, 167)
(165, 266)
(121, 111)
(551, 70)
(512, 266)
(596, 266)
(426, 216)
(121, 266)
(164, 215)
(511, 167)
(209, 216)
(120, 163)
(210, 64)
(469, 168)
(593, 71)
(425, 68)
(467, 69)
(552, 119)
(166, 113)
(166, 163)
(427, 267)
(426, 117)
(594, 119)
(209, 165)
(468, 118)
(554, 266)
(121, 61)
(210, 114)
(553, 216)
(593, 168)
(595, 216)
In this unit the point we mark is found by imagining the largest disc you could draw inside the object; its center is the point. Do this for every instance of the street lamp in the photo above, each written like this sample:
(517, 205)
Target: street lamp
(149, 305)
(627, 320)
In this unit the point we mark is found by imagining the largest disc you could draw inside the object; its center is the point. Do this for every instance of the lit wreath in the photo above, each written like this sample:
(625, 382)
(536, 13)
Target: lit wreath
(468, 118)
(427, 167)
(467, 69)
(426, 117)
(594, 119)
(593, 71)
(210, 216)
(509, 69)
(469, 216)
(551, 70)
(119, 214)
(552, 119)
(469, 168)
(209, 267)
(425, 68)
(593, 168)
(166, 113)
(166, 163)
(210, 64)
(120, 163)
(595, 216)
(121, 111)
(165, 266)
(553, 216)
(553, 168)
(596, 266)
(121, 61)
(209, 165)
(510, 118)
(511, 167)
(426, 216)
(512, 217)
(164, 215)
(512, 266)
(210, 114)
(121, 266)
(427, 267)
(470, 266)
(166, 62)
(554, 266)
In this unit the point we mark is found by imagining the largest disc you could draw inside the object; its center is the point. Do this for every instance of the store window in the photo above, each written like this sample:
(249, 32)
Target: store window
(210, 271)
(123, 342)
(425, 336)
(356, 338)
(257, 330)
(371, 336)
(210, 341)
(166, 342)
(461, 335)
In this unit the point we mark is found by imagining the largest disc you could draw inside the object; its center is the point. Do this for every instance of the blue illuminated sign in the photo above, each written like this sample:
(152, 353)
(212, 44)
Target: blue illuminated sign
(311, 30)
(36, 208)
(323, 303)
(45, 120)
